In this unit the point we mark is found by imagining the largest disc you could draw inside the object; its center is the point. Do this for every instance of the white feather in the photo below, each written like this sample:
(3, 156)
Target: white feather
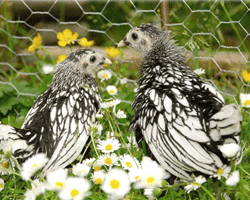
(64, 110)
(73, 125)
(191, 133)
(161, 123)
(53, 114)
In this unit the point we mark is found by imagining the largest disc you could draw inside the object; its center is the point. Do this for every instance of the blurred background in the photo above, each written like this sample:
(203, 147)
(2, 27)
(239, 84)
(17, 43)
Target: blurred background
(214, 36)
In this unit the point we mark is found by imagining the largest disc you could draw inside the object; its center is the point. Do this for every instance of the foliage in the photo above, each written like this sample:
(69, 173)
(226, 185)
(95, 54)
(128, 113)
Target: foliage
(16, 95)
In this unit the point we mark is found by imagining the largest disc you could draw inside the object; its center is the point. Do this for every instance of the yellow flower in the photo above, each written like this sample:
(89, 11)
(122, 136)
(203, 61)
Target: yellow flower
(66, 37)
(60, 58)
(85, 43)
(245, 75)
(36, 44)
(112, 51)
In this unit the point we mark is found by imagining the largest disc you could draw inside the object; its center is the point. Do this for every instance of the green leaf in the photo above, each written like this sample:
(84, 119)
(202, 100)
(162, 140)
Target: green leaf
(8, 120)
(26, 101)
(4, 89)
(5, 106)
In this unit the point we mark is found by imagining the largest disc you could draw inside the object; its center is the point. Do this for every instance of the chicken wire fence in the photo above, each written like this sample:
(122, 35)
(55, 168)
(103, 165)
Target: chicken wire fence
(214, 35)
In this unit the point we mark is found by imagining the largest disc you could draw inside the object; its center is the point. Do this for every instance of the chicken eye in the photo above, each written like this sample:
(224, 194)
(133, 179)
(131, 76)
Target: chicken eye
(134, 36)
(92, 59)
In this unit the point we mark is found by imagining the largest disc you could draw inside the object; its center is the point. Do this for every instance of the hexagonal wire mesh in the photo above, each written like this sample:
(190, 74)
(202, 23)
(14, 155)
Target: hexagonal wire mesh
(214, 34)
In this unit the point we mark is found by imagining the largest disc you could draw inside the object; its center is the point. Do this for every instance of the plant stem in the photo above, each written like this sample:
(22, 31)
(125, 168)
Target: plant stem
(233, 25)
(85, 151)
(50, 55)
(209, 193)
(16, 162)
(10, 171)
(93, 142)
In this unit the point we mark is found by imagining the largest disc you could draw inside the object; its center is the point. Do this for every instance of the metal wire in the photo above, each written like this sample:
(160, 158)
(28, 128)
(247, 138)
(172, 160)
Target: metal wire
(157, 15)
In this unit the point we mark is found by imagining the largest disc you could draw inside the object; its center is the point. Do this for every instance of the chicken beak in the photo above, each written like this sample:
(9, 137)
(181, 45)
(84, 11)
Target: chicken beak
(107, 61)
(121, 44)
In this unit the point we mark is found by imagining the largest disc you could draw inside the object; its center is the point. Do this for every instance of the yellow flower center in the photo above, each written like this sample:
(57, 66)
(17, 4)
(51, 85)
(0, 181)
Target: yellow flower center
(108, 147)
(5, 165)
(220, 171)
(115, 184)
(74, 192)
(97, 168)
(137, 177)
(98, 181)
(108, 161)
(105, 76)
(128, 164)
(59, 184)
(33, 166)
(1, 185)
(247, 103)
(150, 180)
(111, 91)
(195, 184)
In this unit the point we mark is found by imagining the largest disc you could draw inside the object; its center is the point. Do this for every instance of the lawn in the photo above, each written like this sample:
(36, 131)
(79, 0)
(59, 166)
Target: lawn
(23, 78)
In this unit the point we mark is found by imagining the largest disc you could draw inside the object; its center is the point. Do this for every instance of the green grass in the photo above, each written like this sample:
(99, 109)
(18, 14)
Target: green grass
(212, 189)
(18, 95)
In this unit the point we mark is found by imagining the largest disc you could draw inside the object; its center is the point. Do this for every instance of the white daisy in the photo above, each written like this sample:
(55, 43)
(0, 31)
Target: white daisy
(1, 184)
(152, 174)
(124, 80)
(33, 164)
(109, 159)
(149, 193)
(233, 179)
(88, 161)
(104, 75)
(96, 128)
(48, 69)
(98, 177)
(245, 100)
(132, 141)
(6, 162)
(99, 115)
(146, 161)
(112, 90)
(109, 145)
(75, 189)
(56, 179)
(129, 162)
(230, 150)
(199, 71)
(226, 197)
(37, 189)
(116, 184)
(80, 169)
(120, 114)
(222, 172)
(97, 165)
(110, 134)
(111, 103)
(135, 174)
(29, 195)
(196, 184)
